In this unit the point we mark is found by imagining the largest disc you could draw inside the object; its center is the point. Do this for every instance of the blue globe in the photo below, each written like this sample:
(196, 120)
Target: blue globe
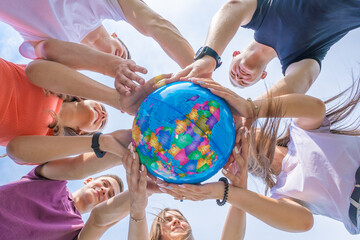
(183, 133)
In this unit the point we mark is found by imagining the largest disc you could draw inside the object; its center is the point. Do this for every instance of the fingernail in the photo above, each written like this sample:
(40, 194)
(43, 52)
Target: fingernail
(201, 82)
(224, 171)
(142, 167)
(182, 186)
(237, 150)
(133, 155)
(181, 200)
(163, 190)
(168, 187)
(211, 89)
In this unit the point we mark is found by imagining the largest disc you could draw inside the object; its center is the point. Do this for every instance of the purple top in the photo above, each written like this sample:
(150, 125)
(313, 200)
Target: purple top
(38, 208)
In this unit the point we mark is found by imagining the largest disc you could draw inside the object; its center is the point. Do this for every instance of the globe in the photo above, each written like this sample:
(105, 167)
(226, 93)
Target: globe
(183, 133)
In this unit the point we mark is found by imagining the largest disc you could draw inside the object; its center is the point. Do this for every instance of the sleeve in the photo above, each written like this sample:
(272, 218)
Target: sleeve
(324, 128)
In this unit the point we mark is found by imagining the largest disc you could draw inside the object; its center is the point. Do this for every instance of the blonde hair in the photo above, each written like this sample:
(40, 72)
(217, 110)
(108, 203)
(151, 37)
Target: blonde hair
(155, 230)
(264, 136)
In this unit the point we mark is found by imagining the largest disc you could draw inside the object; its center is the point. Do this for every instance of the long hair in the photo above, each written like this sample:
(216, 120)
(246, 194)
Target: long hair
(155, 230)
(264, 136)
(55, 125)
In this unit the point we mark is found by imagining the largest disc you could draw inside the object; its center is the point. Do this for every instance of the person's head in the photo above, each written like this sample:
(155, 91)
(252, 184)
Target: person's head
(79, 117)
(246, 68)
(170, 224)
(118, 47)
(97, 190)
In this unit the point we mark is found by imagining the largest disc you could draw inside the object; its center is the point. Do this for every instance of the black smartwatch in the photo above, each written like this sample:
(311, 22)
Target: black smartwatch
(210, 52)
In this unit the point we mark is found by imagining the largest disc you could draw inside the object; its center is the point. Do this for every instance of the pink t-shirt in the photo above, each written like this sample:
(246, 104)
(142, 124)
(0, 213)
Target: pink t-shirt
(38, 208)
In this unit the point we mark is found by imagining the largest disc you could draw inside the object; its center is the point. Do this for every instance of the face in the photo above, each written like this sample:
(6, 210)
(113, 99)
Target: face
(174, 227)
(245, 71)
(118, 48)
(90, 116)
(98, 190)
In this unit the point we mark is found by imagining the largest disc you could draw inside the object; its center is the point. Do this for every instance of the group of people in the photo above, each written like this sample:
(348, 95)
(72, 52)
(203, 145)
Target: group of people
(51, 116)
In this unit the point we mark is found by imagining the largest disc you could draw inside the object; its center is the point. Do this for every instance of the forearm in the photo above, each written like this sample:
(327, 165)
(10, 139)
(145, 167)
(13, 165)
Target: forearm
(62, 79)
(79, 167)
(226, 22)
(77, 56)
(279, 214)
(172, 42)
(138, 230)
(105, 215)
(41, 149)
(235, 224)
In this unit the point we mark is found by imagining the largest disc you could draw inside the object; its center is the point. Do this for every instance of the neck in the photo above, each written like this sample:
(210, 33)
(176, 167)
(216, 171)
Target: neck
(279, 155)
(77, 202)
(263, 53)
(67, 114)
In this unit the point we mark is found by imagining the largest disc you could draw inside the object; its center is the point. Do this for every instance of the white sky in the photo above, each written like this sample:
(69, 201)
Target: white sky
(192, 17)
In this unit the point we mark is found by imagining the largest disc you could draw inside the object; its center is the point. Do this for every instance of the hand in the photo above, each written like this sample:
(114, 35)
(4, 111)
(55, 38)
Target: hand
(238, 105)
(115, 142)
(202, 68)
(131, 104)
(237, 171)
(194, 192)
(137, 182)
(125, 76)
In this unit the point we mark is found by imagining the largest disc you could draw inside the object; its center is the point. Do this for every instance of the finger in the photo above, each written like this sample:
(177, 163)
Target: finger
(183, 73)
(121, 88)
(130, 77)
(230, 176)
(137, 68)
(143, 179)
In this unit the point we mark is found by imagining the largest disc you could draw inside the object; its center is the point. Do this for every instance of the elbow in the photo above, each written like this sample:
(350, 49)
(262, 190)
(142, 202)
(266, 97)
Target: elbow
(13, 149)
(47, 49)
(307, 223)
(320, 107)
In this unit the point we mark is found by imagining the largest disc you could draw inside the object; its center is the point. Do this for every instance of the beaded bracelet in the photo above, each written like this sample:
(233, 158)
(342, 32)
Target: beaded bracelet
(226, 182)
(95, 145)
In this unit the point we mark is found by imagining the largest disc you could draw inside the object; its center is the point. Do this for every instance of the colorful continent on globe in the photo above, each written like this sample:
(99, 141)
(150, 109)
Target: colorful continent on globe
(181, 150)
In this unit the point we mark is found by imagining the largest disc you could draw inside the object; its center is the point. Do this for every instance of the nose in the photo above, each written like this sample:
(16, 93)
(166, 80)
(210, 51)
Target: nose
(176, 222)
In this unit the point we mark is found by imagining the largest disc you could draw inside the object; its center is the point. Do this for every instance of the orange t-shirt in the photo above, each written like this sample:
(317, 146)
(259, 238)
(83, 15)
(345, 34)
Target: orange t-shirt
(23, 106)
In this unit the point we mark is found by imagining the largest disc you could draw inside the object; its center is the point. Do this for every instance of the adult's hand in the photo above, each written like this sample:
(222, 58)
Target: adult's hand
(125, 76)
(238, 105)
(137, 183)
(131, 103)
(202, 68)
(237, 171)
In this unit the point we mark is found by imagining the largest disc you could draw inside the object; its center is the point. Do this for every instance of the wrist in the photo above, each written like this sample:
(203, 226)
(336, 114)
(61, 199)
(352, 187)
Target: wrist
(136, 214)
(210, 61)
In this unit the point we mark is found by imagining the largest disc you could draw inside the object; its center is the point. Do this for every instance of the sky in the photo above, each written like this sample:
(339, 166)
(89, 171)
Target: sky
(192, 18)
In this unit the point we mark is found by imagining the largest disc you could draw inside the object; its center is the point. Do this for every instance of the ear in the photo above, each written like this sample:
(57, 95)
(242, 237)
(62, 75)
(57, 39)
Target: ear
(264, 74)
(114, 35)
(86, 181)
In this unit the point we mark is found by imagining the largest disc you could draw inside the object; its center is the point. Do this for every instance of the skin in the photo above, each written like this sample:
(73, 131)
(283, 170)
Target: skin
(174, 227)
(86, 116)
(94, 192)
(284, 213)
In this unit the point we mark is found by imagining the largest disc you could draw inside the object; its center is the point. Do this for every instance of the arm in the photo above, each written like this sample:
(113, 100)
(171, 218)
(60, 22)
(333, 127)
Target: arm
(151, 24)
(235, 224)
(308, 111)
(222, 29)
(81, 57)
(104, 216)
(41, 149)
(298, 78)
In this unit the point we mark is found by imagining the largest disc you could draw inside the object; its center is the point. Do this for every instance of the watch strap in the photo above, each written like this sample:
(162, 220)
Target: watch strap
(96, 146)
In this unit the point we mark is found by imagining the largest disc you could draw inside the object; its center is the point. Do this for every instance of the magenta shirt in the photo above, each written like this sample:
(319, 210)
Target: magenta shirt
(38, 208)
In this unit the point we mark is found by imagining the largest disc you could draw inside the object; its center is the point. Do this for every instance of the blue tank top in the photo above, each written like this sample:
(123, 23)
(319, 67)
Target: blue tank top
(301, 29)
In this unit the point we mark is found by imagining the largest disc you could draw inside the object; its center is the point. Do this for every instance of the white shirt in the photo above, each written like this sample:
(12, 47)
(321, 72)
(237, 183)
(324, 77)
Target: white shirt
(66, 20)
(319, 171)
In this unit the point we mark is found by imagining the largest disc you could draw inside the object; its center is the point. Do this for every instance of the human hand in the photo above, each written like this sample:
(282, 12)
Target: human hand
(202, 68)
(237, 170)
(125, 76)
(131, 103)
(238, 105)
(194, 192)
(137, 182)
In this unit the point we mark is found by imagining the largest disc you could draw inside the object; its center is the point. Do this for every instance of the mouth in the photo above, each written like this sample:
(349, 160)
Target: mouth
(97, 194)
